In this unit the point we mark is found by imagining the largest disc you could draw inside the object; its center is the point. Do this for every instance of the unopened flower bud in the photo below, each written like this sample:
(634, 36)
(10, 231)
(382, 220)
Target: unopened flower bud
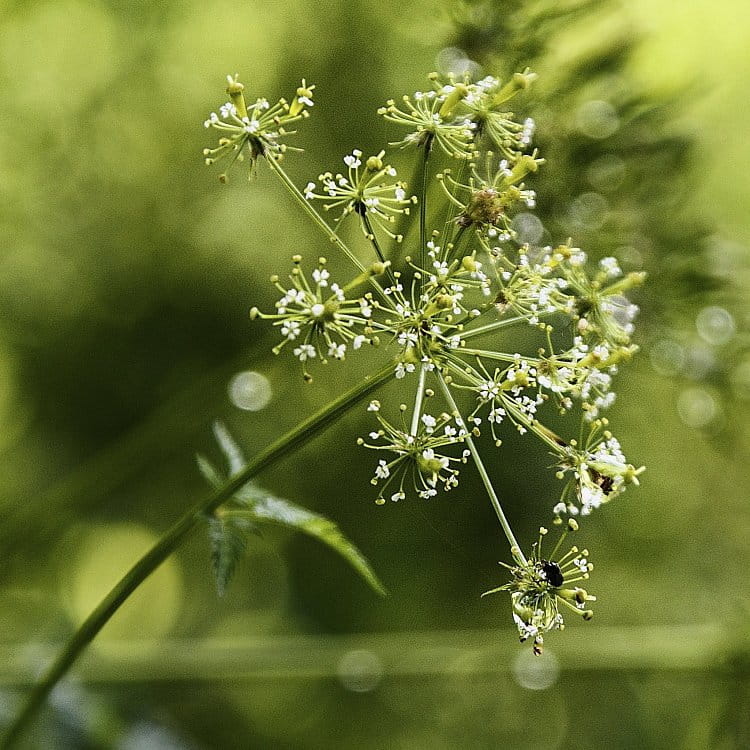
(375, 163)
(460, 90)
(519, 82)
(469, 263)
(235, 89)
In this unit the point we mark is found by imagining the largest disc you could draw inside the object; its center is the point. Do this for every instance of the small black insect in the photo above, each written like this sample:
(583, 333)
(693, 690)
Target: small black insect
(552, 573)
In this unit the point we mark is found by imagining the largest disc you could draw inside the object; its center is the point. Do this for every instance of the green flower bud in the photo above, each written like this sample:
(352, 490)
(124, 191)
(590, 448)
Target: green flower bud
(375, 163)
(235, 89)
(455, 96)
(519, 82)
(469, 263)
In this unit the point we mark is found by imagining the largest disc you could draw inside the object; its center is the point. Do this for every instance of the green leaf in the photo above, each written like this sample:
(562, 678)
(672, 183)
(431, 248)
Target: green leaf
(228, 546)
(251, 506)
(208, 471)
(232, 452)
(283, 513)
(228, 535)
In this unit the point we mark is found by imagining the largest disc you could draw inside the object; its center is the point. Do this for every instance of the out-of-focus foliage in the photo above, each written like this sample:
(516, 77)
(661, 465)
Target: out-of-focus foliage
(127, 276)
(621, 176)
(252, 508)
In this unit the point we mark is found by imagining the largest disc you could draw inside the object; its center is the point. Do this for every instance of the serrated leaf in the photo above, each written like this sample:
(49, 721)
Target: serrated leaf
(228, 546)
(284, 513)
(208, 471)
(232, 452)
(229, 532)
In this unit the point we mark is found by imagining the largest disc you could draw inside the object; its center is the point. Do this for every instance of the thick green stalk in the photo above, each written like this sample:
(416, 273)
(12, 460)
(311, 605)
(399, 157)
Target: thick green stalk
(494, 499)
(173, 538)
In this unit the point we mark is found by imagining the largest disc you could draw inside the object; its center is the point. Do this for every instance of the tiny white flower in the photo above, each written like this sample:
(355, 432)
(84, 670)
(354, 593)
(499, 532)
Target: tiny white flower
(321, 276)
(337, 351)
(381, 470)
(429, 422)
(402, 369)
(304, 352)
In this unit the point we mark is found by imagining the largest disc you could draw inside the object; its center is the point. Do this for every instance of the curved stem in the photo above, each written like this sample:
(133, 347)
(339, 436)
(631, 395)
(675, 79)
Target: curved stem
(494, 499)
(169, 542)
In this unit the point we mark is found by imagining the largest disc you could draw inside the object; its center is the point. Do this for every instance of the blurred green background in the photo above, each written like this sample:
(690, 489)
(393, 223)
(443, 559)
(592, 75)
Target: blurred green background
(126, 279)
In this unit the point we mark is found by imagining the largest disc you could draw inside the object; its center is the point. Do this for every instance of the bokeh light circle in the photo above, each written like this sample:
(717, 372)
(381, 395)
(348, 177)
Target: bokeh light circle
(250, 391)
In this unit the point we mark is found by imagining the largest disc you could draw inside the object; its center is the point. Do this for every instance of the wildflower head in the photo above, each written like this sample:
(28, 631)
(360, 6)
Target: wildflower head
(597, 472)
(486, 201)
(484, 107)
(368, 190)
(441, 311)
(432, 119)
(252, 130)
(542, 585)
(417, 458)
(315, 316)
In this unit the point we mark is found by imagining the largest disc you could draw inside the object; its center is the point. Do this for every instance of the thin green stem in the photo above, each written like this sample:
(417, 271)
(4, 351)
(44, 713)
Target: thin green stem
(498, 356)
(376, 246)
(312, 213)
(371, 236)
(456, 241)
(423, 205)
(515, 548)
(490, 327)
(323, 225)
(455, 202)
(547, 436)
(169, 542)
(405, 225)
(418, 401)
